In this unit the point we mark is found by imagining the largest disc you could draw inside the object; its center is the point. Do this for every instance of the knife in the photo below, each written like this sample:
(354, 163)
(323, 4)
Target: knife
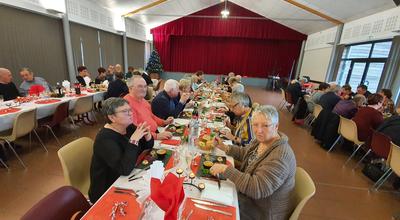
(212, 210)
(208, 203)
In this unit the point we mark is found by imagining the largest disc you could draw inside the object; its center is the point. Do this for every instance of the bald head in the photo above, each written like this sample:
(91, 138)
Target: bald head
(5, 76)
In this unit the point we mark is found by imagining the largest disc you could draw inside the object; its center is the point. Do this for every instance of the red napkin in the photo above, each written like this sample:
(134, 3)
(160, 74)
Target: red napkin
(171, 142)
(36, 90)
(168, 195)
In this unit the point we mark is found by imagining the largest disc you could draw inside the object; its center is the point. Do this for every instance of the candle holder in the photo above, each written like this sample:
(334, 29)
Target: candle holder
(192, 176)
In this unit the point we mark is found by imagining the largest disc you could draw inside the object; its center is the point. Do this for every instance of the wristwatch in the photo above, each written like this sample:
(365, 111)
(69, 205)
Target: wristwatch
(135, 142)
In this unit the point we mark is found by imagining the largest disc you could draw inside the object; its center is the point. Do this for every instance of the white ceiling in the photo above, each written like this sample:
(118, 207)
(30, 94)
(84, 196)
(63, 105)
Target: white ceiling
(277, 10)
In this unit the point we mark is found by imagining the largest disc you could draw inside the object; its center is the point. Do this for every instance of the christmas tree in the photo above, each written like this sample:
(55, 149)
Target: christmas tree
(154, 65)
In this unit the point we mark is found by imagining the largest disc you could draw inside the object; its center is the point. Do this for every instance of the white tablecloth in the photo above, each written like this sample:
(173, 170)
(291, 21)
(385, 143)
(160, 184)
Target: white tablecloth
(42, 110)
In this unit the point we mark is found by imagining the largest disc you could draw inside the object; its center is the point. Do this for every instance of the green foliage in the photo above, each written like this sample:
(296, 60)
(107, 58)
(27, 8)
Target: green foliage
(154, 65)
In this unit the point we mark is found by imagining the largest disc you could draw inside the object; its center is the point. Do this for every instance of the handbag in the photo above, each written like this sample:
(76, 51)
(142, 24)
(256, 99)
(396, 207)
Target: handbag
(373, 171)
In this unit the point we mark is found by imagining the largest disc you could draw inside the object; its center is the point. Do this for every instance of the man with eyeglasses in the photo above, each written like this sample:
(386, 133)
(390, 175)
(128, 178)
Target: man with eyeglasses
(141, 109)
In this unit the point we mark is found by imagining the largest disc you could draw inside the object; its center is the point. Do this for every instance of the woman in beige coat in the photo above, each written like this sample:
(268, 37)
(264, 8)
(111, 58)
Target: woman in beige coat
(266, 177)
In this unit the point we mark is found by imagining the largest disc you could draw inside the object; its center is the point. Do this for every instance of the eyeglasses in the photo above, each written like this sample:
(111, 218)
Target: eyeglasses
(125, 111)
(262, 125)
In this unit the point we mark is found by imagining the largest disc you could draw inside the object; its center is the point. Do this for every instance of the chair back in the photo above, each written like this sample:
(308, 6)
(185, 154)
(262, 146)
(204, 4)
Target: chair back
(83, 105)
(348, 129)
(289, 98)
(150, 93)
(304, 189)
(380, 144)
(24, 123)
(75, 160)
(61, 113)
(394, 158)
(61, 204)
(317, 110)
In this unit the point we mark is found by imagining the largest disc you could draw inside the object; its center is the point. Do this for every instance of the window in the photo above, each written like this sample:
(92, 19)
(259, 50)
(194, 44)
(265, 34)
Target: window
(363, 64)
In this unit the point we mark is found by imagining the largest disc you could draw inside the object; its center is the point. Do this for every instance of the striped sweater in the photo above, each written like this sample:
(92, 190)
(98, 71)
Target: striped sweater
(265, 185)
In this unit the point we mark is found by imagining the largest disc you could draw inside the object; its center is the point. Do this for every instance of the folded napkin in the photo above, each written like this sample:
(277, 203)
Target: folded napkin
(168, 195)
(36, 90)
(171, 142)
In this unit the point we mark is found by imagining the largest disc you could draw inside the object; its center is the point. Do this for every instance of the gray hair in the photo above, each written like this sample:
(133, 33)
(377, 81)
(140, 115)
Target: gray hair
(268, 111)
(26, 69)
(335, 88)
(170, 85)
(241, 98)
(184, 83)
(130, 81)
(360, 100)
(110, 105)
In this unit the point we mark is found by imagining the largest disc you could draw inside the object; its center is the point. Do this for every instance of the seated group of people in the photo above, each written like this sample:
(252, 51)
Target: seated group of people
(263, 151)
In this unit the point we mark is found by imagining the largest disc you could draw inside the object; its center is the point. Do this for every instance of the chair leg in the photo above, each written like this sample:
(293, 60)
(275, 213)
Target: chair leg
(381, 181)
(94, 116)
(54, 135)
(40, 140)
(358, 163)
(352, 155)
(15, 153)
(334, 143)
(4, 164)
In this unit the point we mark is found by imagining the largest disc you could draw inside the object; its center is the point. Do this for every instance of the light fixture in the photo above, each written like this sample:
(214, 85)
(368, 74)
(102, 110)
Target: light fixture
(225, 12)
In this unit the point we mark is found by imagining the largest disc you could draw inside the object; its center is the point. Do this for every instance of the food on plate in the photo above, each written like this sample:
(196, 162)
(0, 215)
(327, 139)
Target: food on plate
(207, 164)
(161, 154)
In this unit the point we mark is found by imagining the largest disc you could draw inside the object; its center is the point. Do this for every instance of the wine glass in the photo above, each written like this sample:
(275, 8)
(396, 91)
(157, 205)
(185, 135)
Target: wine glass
(1, 99)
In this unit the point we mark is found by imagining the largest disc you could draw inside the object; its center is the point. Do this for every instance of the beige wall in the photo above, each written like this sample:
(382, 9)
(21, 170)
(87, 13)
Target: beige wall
(315, 63)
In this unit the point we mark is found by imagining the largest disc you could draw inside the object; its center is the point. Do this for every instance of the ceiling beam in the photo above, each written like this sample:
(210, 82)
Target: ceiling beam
(315, 12)
(144, 8)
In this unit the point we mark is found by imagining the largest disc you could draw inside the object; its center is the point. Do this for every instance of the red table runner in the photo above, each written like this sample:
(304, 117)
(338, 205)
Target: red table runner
(8, 110)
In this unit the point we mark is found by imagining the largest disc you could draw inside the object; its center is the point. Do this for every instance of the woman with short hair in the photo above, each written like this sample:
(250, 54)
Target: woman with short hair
(266, 176)
(116, 147)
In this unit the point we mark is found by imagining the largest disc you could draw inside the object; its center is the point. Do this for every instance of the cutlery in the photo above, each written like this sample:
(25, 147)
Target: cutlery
(212, 210)
(125, 192)
(140, 171)
(136, 178)
(188, 215)
(209, 203)
(219, 181)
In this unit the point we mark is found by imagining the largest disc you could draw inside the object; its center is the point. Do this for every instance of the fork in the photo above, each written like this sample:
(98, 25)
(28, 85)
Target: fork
(126, 192)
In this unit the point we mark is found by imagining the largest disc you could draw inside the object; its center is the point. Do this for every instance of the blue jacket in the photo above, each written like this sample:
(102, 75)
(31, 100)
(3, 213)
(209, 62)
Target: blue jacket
(163, 106)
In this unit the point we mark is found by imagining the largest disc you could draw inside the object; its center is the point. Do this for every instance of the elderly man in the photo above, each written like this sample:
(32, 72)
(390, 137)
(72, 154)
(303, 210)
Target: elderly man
(363, 90)
(331, 97)
(7, 88)
(29, 80)
(166, 103)
(141, 109)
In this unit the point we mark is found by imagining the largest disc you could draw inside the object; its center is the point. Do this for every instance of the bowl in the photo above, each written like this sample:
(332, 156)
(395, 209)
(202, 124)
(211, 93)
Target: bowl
(207, 164)
(161, 154)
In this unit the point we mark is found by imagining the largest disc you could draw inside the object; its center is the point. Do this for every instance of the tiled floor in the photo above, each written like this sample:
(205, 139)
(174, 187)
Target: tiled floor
(341, 192)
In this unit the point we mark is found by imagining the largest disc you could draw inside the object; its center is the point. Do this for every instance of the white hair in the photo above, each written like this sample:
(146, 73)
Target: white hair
(132, 79)
(170, 85)
(268, 111)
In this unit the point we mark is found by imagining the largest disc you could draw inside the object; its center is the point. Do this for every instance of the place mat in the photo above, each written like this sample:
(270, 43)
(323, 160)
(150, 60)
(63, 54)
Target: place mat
(197, 169)
(8, 110)
(171, 142)
(203, 214)
(168, 160)
(102, 209)
(47, 101)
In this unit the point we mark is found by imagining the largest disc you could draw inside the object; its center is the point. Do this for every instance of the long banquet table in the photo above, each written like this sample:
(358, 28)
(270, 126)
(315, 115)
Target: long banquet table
(42, 110)
(227, 194)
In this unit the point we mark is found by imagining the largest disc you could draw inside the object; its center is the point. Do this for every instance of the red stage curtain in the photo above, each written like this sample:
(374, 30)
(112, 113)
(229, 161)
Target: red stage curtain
(252, 47)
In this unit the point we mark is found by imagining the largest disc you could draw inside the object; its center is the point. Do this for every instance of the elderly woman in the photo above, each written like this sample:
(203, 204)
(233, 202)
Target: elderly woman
(141, 109)
(235, 84)
(266, 177)
(241, 108)
(116, 147)
(348, 107)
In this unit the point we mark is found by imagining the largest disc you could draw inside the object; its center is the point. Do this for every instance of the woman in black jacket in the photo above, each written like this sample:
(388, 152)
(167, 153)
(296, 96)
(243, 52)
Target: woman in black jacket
(116, 147)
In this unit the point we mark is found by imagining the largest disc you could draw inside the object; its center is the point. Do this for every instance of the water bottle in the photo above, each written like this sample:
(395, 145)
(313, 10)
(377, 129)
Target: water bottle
(191, 133)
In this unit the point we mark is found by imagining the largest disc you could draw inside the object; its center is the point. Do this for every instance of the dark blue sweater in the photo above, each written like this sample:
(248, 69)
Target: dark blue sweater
(163, 106)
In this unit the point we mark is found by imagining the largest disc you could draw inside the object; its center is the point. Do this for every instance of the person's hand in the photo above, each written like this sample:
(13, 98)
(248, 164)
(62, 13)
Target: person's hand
(220, 144)
(227, 121)
(169, 120)
(164, 135)
(218, 168)
(184, 97)
(227, 134)
(147, 132)
(140, 131)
